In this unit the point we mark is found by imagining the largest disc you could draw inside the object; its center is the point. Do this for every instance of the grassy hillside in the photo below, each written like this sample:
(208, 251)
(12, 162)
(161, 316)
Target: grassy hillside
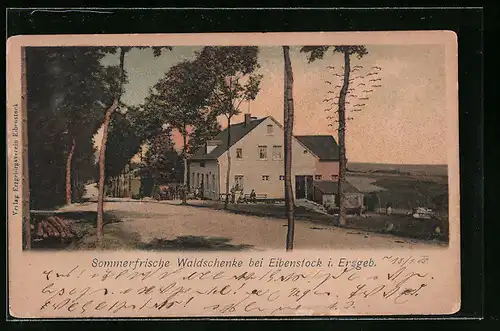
(402, 169)
(402, 186)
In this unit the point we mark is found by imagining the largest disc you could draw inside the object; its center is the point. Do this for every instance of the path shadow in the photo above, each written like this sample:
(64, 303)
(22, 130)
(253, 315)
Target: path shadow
(264, 210)
(194, 243)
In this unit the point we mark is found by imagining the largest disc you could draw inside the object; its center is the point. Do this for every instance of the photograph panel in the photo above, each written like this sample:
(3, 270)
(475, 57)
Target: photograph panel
(186, 152)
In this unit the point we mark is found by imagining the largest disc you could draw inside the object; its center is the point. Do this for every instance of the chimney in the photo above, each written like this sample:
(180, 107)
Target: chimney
(248, 118)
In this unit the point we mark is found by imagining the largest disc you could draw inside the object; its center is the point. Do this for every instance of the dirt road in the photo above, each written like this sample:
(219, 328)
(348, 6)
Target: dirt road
(168, 225)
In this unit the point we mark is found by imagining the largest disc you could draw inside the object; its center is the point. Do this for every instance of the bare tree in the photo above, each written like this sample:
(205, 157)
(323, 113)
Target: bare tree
(351, 88)
(288, 113)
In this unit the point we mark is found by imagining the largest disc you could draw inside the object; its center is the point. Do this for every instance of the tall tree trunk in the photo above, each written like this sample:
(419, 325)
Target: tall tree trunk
(68, 171)
(130, 179)
(228, 172)
(102, 164)
(288, 120)
(26, 220)
(102, 152)
(153, 192)
(184, 156)
(341, 132)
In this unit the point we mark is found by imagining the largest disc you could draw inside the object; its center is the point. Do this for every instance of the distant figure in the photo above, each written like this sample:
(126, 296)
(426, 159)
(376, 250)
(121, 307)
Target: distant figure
(233, 194)
(389, 209)
(253, 196)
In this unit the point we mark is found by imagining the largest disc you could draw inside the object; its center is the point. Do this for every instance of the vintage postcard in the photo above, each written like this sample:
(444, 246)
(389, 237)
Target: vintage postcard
(233, 175)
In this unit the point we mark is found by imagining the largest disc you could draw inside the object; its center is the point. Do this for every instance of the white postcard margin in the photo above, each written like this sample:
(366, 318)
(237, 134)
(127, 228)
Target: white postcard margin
(31, 274)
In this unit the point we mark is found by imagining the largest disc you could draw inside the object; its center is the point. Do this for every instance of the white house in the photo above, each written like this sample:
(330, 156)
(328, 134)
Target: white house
(257, 162)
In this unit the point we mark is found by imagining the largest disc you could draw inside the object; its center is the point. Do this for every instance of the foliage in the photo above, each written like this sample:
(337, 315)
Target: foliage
(206, 129)
(110, 109)
(318, 52)
(68, 92)
(65, 89)
(180, 97)
(232, 78)
(157, 50)
(162, 161)
(123, 143)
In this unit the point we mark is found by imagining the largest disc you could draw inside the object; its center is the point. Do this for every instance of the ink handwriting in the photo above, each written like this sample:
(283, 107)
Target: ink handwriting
(82, 291)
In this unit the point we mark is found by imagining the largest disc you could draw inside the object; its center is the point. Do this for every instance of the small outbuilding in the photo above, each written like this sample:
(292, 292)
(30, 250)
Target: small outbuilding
(325, 193)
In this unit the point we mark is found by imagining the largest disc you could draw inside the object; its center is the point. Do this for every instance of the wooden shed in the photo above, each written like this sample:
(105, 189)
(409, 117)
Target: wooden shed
(325, 193)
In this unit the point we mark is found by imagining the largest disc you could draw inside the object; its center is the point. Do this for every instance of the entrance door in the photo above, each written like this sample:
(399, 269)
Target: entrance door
(304, 187)
(300, 187)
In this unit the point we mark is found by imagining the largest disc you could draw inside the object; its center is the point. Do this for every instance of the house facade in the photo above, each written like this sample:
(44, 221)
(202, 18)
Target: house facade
(257, 161)
(127, 184)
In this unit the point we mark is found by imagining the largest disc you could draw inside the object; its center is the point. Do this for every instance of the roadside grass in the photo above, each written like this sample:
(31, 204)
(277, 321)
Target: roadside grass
(408, 193)
(402, 225)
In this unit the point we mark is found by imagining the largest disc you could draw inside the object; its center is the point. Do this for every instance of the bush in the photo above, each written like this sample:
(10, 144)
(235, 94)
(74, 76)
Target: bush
(137, 196)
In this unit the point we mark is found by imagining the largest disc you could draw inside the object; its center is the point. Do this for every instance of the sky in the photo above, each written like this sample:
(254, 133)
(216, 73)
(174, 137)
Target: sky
(402, 122)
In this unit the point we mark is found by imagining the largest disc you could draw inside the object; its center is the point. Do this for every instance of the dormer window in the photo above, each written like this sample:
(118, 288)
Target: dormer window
(211, 145)
(270, 129)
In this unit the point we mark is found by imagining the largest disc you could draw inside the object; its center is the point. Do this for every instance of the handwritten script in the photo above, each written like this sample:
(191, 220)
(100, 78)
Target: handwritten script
(84, 290)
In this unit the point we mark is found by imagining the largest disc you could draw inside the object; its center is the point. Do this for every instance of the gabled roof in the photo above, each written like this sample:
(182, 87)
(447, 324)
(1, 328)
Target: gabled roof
(324, 147)
(238, 131)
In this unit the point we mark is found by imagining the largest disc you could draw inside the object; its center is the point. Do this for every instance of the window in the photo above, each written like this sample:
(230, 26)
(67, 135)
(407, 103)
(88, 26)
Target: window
(197, 179)
(277, 155)
(239, 153)
(238, 182)
(317, 177)
(270, 129)
(263, 152)
(192, 179)
(265, 178)
(206, 180)
(282, 177)
(213, 183)
(335, 177)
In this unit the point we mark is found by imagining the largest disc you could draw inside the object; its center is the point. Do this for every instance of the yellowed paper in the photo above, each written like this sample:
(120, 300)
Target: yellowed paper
(159, 258)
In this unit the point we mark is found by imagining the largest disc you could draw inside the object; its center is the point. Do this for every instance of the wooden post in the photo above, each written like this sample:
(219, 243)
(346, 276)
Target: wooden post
(24, 157)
